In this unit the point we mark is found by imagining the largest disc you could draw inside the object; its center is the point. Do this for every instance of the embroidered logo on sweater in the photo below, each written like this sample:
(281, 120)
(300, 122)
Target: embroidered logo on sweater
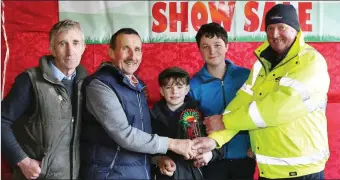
(189, 122)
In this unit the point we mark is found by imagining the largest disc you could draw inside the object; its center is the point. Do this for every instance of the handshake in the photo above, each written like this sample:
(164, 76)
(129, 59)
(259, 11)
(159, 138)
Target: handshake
(191, 148)
(198, 149)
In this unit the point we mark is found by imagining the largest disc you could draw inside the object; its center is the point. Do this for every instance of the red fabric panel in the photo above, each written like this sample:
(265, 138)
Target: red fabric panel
(332, 170)
(3, 53)
(28, 23)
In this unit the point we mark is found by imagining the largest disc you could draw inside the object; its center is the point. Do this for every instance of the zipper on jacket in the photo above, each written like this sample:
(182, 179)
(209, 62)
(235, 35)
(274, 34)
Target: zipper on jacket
(72, 147)
(199, 170)
(264, 67)
(113, 162)
(140, 109)
(225, 105)
(141, 114)
(224, 101)
(147, 174)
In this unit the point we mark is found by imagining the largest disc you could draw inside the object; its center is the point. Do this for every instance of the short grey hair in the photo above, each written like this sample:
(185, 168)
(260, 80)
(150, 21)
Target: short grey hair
(64, 25)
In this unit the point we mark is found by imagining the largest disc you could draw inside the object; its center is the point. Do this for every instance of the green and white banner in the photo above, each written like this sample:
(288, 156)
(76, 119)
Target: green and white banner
(178, 21)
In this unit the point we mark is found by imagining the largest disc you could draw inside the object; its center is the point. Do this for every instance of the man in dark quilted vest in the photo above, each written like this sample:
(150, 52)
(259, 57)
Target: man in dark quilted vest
(40, 119)
(115, 137)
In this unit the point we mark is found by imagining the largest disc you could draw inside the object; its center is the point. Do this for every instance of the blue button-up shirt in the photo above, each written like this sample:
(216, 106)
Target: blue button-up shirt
(58, 74)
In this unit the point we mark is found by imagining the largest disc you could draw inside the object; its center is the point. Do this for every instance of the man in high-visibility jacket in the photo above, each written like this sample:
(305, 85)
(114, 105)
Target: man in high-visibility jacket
(282, 104)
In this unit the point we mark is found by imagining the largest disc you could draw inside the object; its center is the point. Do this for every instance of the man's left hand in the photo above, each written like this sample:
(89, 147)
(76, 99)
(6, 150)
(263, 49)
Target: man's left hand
(213, 123)
(166, 165)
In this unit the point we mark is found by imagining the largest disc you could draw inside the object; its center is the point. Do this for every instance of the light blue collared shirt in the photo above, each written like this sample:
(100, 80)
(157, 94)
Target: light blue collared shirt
(58, 74)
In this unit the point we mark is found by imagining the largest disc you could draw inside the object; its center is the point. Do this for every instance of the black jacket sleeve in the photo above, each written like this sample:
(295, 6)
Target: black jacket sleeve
(18, 101)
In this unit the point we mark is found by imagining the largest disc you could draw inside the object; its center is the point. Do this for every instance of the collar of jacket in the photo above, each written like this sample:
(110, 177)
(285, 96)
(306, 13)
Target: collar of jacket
(81, 72)
(122, 77)
(293, 51)
(207, 77)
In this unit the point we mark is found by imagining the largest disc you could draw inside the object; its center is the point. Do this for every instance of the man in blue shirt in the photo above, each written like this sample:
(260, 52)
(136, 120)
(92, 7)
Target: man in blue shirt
(214, 86)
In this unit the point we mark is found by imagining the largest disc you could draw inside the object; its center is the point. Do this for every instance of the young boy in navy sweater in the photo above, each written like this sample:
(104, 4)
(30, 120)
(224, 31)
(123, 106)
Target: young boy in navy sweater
(178, 116)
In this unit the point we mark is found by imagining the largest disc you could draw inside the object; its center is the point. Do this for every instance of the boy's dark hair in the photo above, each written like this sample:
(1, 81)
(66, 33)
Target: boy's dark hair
(179, 75)
(210, 30)
(121, 31)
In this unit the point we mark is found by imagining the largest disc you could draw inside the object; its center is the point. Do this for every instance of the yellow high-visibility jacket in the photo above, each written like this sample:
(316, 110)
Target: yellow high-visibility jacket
(284, 111)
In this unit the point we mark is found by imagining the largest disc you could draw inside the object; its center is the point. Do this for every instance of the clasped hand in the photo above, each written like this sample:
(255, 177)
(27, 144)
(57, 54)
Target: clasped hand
(198, 149)
(167, 166)
(213, 123)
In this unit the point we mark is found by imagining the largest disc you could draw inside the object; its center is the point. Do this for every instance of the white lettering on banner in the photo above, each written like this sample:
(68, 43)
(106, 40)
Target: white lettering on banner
(179, 21)
(293, 161)
(256, 116)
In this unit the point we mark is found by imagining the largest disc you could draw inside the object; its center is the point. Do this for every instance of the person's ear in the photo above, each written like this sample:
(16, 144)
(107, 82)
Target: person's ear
(161, 91)
(52, 51)
(84, 47)
(226, 48)
(187, 89)
(111, 53)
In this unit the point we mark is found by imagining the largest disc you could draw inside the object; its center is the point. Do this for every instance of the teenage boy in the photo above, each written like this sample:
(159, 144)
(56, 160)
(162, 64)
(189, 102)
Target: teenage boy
(214, 86)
